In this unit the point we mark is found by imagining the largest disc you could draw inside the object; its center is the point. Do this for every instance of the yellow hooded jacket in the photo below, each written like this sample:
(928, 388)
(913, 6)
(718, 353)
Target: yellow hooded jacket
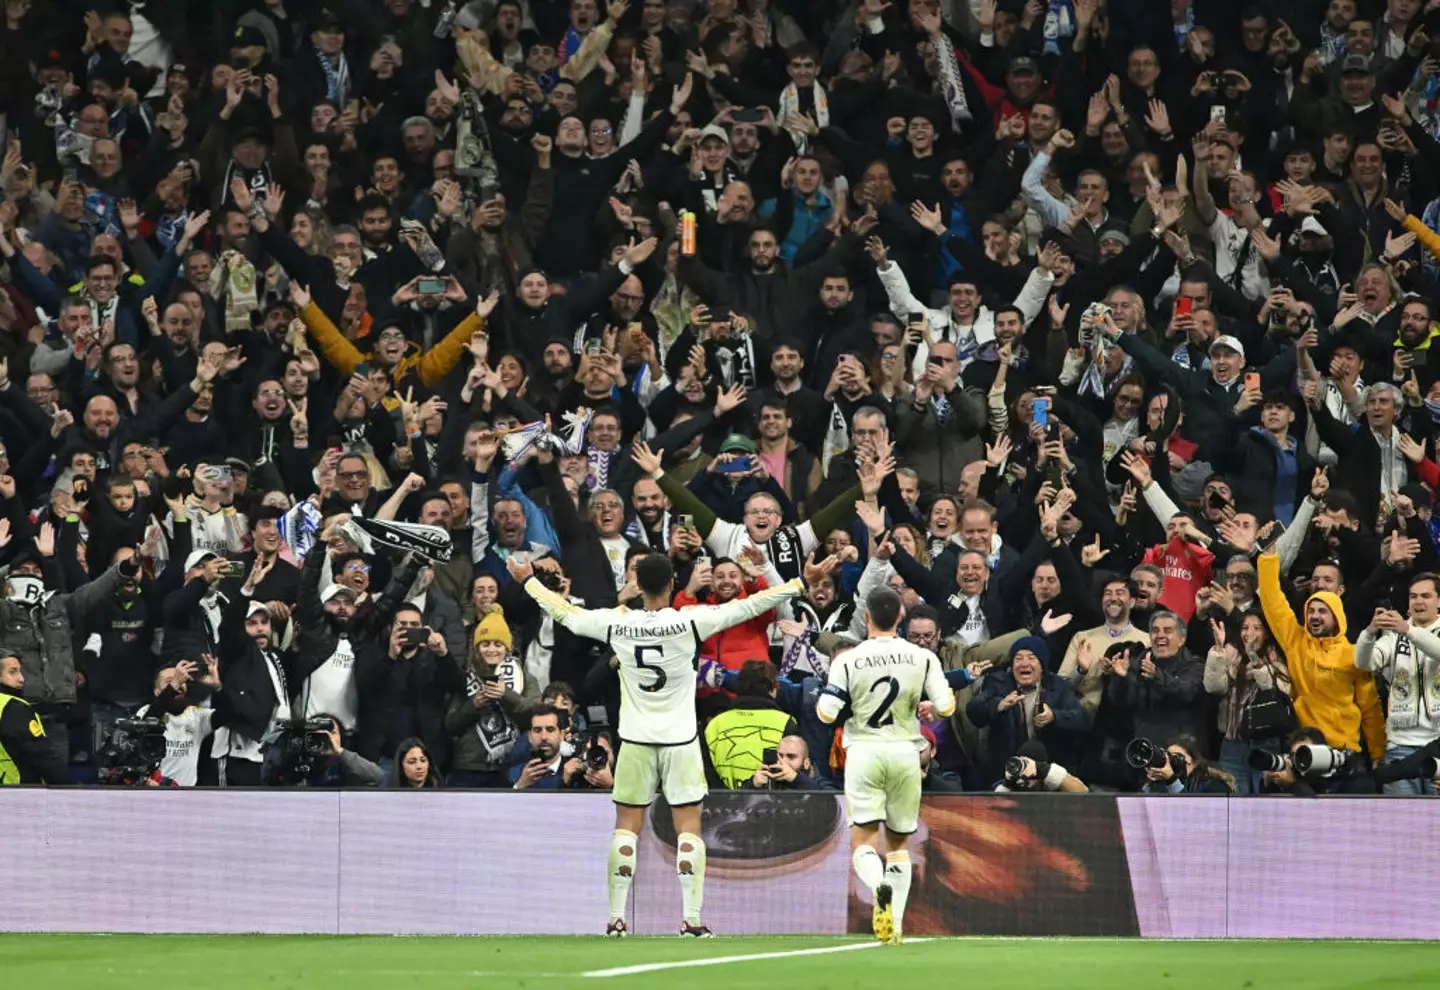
(1330, 692)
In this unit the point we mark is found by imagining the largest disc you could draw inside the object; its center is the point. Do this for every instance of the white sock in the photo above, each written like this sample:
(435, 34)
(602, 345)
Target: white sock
(690, 865)
(868, 867)
(622, 871)
(897, 875)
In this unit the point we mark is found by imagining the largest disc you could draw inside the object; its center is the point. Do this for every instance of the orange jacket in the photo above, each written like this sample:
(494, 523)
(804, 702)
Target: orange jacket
(431, 366)
(748, 641)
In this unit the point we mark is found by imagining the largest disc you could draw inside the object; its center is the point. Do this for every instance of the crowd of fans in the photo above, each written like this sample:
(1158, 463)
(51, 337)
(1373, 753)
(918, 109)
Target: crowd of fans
(1097, 328)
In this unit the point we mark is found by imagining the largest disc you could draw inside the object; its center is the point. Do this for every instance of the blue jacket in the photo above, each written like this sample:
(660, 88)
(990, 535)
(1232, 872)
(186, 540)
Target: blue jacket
(1007, 728)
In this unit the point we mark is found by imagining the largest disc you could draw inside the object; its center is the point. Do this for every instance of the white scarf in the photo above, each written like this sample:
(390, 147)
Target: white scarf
(28, 590)
(1393, 473)
(790, 104)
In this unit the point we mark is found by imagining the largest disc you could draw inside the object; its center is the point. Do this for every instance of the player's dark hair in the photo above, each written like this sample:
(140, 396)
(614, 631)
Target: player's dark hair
(653, 574)
(885, 608)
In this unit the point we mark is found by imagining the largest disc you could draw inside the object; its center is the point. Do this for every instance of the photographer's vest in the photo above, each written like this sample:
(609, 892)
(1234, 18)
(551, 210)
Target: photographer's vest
(9, 770)
(737, 739)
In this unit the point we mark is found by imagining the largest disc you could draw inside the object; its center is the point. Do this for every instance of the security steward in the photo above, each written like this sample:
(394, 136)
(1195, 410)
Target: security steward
(24, 757)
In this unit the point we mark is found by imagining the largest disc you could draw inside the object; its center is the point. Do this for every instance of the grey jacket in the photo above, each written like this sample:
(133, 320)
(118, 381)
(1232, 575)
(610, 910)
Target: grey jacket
(938, 453)
(42, 636)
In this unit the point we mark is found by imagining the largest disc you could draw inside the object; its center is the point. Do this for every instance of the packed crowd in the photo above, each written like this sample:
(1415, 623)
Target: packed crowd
(1099, 329)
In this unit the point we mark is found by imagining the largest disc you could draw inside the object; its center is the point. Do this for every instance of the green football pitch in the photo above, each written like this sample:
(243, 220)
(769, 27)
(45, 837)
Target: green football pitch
(99, 962)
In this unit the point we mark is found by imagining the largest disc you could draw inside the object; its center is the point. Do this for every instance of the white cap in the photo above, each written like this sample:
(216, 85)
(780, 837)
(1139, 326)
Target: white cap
(715, 131)
(198, 557)
(1225, 340)
(337, 589)
(1313, 226)
(257, 607)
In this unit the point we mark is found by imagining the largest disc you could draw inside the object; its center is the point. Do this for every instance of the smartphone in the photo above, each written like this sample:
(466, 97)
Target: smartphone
(684, 520)
(1217, 113)
(913, 318)
(416, 637)
(488, 680)
(1419, 359)
(592, 346)
(1252, 381)
(747, 116)
(234, 568)
(430, 286)
(770, 757)
(1040, 411)
(1217, 501)
(738, 466)
(71, 176)
(1184, 306)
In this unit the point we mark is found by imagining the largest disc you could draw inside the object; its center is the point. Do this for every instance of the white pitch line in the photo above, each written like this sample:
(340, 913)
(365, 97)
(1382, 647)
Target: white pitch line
(723, 960)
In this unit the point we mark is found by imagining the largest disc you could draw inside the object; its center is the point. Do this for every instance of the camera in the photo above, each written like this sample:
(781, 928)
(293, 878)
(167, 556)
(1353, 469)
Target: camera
(1313, 760)
(291, 749)
(550, 580)
(1265, 762)
(1015, 777)
(1142, 754)
(133, 752)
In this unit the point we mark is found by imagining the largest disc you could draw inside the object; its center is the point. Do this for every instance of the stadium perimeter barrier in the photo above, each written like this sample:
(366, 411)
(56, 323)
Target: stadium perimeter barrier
(355, 862)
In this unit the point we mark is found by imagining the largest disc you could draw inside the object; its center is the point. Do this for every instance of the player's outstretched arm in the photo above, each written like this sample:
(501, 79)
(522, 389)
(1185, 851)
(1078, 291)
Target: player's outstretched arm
(582, 622)
(938, 689)
(711, 619)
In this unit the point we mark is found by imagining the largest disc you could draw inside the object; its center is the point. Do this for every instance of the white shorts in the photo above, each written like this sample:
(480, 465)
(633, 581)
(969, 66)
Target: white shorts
(882, 784)
(643, 771)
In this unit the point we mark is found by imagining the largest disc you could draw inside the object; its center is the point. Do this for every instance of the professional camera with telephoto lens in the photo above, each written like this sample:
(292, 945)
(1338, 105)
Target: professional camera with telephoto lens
(1309, 760)
(292, 748)
(1142, 754)
(133, 752)
(582, 737)
(1015, 777)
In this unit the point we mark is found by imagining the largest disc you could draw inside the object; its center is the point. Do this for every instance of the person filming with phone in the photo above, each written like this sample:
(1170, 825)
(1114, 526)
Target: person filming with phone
(402, 692)
(787, 767)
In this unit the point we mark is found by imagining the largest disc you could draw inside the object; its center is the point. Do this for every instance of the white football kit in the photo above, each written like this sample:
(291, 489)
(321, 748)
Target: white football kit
(883, 681)
(658, 653)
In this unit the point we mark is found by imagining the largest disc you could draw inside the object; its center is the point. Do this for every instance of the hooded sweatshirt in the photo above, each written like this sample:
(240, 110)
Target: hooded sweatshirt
(1329, 691)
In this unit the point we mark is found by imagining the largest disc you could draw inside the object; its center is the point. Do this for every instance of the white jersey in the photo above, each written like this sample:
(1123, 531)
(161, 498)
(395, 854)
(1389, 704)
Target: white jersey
(884, 680)
(658, 653)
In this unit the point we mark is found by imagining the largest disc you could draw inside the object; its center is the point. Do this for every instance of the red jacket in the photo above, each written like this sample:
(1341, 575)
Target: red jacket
(747, 641)
(1187, 568)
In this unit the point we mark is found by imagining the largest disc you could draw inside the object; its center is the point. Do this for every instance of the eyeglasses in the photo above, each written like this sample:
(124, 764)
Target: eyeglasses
(353, 475)
(272, 391)
(762, 512)
(606, 503)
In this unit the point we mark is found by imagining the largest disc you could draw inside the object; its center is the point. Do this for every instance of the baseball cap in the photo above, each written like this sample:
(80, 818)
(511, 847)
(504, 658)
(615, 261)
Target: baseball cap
(337, 589)
(714, 131)
(1024, 63)
(198, 557)
(1355, 63)
(247, 37)
(1113, 234)
(737, 443)
(256, 607)
(1312, 226)
(328, 21)
(1225, 340)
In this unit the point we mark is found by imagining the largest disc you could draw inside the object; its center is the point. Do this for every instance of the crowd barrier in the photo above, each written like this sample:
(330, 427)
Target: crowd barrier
(357, 862)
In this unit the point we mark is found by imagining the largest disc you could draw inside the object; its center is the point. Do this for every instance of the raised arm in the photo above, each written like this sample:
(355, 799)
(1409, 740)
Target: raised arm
(711, 619)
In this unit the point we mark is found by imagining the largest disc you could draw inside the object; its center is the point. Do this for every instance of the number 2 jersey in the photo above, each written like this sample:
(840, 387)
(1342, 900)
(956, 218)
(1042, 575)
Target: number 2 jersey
(658, 653)
(883, 681)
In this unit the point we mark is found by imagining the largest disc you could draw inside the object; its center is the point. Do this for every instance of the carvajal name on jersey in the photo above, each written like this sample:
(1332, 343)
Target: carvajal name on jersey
(865, 663)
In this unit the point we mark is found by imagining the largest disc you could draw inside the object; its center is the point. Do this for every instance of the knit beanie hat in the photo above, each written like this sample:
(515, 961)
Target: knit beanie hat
(493, 628)
(1035, 645)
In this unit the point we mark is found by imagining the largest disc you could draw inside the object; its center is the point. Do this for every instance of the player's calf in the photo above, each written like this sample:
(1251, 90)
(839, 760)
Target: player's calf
(690, 868)
(622, 873)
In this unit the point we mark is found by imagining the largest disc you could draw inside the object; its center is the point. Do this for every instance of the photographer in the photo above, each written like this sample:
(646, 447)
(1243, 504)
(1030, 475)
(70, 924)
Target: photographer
(789, 770)
(1184, 771)
(1308, 775)
(1030, 769)
(310, 753)
(184, 700)
(593, 766)
(402, 692)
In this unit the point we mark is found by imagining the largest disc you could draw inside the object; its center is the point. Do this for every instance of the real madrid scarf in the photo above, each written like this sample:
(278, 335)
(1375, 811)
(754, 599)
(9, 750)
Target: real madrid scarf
(428, 541)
